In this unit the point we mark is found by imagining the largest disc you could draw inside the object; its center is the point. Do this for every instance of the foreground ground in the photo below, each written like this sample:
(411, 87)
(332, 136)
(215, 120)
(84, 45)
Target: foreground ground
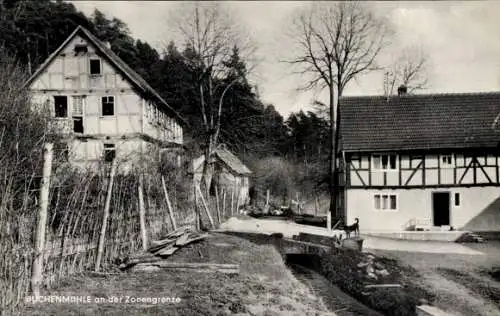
(460, 277)
(462, 282)
(263, 287)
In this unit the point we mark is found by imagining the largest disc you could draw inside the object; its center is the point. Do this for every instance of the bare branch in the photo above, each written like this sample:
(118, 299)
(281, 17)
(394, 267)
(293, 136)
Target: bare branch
(409, 69)
(335, 42)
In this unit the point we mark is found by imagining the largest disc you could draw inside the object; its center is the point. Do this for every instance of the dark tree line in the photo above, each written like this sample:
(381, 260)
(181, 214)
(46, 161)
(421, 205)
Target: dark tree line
(32, 30)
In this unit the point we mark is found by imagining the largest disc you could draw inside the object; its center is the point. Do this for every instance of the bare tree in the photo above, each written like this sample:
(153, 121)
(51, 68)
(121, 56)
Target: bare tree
(210, 32)
(336, 42)
(410, 70)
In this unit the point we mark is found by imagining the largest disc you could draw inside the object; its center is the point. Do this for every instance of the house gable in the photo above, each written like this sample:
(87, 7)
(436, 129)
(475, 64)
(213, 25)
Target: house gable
(65, 78)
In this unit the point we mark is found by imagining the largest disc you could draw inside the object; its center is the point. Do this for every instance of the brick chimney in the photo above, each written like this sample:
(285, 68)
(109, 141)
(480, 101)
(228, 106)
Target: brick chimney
(402, 90)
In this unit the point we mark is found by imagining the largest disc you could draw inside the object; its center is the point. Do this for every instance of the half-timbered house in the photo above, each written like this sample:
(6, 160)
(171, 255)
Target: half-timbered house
(422, 160)
(101, 107)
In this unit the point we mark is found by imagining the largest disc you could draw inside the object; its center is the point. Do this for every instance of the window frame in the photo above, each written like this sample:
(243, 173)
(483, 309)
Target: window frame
(100, 66)
(447, 165)
(102, 105)
(388, 164)
(55, 105)
(381, 197)
(109, 147)
(455, 196)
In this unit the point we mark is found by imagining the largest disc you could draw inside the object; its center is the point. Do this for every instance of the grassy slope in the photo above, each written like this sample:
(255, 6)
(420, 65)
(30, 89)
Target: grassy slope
(263, 286)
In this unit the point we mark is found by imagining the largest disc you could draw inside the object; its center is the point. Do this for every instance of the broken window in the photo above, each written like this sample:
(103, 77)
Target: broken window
(109, 152)
(61, 106)
(95, 67)
(61, 151)
(108, 106)
(77, 113)
(78, 125)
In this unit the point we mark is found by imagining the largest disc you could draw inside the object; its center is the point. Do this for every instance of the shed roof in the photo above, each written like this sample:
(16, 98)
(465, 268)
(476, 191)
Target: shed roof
(228, 158)
(409, 122)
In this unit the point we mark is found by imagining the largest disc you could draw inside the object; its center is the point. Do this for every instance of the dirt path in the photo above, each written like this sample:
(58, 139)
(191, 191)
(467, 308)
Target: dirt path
(456, 278)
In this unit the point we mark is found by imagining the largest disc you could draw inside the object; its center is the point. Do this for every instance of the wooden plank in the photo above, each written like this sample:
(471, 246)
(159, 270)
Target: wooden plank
(371, 286)
(217, 204)
(369, 170)
(142, 214)
(189, 240)
(423, 170)
(400, 180)
(465, 172)
(37, 269)
(474, 168)
(169, 205)
(350, 167)
(455, 169)
(484, 172)
(496, 169)
(102, 235)
(413, 173)
(206, 207)
(195, 265)
(439, 168)
(167, 251)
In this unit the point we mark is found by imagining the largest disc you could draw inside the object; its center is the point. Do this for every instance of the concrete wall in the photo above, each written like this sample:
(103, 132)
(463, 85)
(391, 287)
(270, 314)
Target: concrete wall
(479, 208)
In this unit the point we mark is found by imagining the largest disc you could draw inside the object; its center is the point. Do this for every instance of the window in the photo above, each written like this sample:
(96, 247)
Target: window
(109, 152)
(78, 125)
(61, 106)
(77, 109)
(385, 202)
(446, 161)
(108, 106)
(95, 67)
(61, 151)
(457, 199)
(384, 162)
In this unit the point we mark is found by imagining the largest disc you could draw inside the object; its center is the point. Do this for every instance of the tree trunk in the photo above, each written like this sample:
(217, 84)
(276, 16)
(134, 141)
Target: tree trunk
(333, 155)
(337, 140)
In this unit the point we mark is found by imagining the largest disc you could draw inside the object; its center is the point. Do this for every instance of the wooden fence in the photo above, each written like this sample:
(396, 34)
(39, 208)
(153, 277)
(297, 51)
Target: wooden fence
(80, 221)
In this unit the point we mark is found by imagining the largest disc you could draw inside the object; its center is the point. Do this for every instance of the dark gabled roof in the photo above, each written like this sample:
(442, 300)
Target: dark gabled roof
(128, 72)
(409, 122)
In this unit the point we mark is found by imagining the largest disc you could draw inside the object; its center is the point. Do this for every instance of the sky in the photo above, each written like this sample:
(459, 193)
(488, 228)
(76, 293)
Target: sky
(460, 38)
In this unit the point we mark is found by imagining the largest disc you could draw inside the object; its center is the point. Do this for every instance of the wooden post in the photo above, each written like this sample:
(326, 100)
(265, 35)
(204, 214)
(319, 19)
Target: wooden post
(102, 236)
(196, 209)
(237, 199)
(169, 206)
(206, 207)
(142, 214)
(224, 204)
(217, 204)
(267, 197)
(232, 202)
(316, 206)
(37, 270)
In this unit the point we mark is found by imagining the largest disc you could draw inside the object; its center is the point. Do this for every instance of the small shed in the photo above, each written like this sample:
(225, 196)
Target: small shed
(228, 173)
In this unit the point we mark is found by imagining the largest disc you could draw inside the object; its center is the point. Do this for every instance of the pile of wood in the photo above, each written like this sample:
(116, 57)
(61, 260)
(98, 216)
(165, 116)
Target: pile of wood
(163, 248)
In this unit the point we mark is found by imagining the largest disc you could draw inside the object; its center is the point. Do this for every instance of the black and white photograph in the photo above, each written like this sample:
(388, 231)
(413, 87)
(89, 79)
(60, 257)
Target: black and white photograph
(249, 158)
